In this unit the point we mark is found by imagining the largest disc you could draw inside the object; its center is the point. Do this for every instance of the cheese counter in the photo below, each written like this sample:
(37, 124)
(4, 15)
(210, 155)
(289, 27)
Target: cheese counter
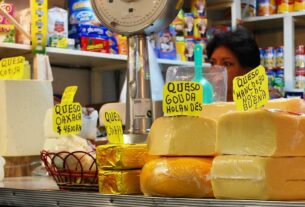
(43, 191)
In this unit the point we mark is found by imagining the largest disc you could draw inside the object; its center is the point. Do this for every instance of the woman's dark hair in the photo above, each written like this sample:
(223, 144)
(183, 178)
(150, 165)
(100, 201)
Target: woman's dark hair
(241, 43)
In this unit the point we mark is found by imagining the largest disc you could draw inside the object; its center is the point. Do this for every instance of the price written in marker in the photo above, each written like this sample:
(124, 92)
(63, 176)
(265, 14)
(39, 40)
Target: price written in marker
(182, 98)
(12, 68)
(251, 90)
(67, 116)
(113, 125)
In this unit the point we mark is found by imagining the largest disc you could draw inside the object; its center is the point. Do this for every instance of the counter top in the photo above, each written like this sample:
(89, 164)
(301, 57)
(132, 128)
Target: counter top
(43, 191)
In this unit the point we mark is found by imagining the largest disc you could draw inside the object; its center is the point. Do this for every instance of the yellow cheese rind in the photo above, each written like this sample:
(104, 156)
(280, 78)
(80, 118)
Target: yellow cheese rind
(177, 177)
(261, 178)
(119, 182)
(183, 135)
(125, 156)
(217, 109)
(23, 104)
(261, 133)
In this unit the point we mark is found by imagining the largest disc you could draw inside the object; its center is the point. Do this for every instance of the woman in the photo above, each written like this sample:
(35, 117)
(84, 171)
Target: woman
(237, 51)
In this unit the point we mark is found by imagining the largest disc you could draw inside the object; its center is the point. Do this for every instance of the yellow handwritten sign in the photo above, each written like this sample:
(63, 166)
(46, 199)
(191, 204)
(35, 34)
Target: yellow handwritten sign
(182, 98)
(12, 68)
(69, 94)
(113, 125)
(67, 116)
(251, 90)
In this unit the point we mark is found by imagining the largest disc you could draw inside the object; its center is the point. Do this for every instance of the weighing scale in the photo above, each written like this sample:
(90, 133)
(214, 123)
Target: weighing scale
(136, 19)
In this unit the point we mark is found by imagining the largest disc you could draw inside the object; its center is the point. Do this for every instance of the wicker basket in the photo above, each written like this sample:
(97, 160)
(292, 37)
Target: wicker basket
(73, 171)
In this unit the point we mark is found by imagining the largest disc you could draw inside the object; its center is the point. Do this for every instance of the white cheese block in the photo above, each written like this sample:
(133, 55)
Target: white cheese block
(262, 133)
(23, 104)
(183, 135)
(263, 178)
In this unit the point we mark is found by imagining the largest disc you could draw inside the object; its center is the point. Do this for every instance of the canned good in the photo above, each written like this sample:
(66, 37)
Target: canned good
(262, 56)
(189, 24)
(300, 56)
(271, 77)
(299, 5)
(266, 7)
(198, 8)
(279, 81)
(300, 78)
(248, 8)
(200, 27)
(269, 58)
(279, 57)
(284, 6)
(189, 48)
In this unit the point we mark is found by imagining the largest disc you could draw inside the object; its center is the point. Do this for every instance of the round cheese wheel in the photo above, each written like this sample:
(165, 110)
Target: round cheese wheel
(177, 177)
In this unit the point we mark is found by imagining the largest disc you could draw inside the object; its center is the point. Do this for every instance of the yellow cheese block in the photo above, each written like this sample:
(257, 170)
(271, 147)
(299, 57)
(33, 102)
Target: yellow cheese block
(263, 178)
(261, 132)
(183, 135)
(215, 110)
(125, 156)
(119, 181)
(177, 177)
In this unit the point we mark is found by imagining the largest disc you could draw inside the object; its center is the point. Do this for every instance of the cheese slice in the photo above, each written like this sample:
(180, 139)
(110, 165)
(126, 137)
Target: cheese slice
(177, 177)
(215, 110)
(125, 156)
(183, 135)
(119, 182)
(23, 104)
(263, 178)
(262, 133)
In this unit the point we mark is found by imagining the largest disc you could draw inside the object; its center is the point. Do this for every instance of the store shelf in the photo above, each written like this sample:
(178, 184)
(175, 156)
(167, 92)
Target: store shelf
(179, 63)
(274, 16)
(9, 49)
(35, 196)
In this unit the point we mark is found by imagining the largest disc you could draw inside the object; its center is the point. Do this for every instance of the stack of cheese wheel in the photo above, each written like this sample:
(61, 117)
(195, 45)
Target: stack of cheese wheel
(262, 153)
(185, 145)
(120, 167)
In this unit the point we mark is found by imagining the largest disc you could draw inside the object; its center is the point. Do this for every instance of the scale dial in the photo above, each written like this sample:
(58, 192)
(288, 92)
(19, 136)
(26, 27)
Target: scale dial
(133, 16)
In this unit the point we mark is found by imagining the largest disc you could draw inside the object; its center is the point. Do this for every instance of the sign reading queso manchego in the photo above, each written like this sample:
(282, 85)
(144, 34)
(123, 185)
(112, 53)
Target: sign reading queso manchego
(251, 90)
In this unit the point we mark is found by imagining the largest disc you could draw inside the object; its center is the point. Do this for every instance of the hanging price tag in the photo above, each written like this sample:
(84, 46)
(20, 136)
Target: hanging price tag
(113, 125)
(251, 90)
(12, 68)
(182, 98)
(67, 116)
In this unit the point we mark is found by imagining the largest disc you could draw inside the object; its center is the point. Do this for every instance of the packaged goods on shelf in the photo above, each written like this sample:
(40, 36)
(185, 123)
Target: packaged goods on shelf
(189, 48)
(188, 24)
(177, 177)
(119, 182)
(81, 12)
(299, 5)
(216, 110)
(285, 6)
(200, 27)
(17, 137)
(95, 44)
(262, 178)
(277, 134)
(166, 45)
(184, 135)
(198, 8)
(266, 7)
(248, 8)
(57, 27)
(9, 8)
(178, 24)
(7, 33)
(121, 157)
(300, 67)
(24, 18)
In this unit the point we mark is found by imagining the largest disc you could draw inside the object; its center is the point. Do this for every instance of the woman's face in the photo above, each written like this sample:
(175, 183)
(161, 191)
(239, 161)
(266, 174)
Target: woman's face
(224, 57)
